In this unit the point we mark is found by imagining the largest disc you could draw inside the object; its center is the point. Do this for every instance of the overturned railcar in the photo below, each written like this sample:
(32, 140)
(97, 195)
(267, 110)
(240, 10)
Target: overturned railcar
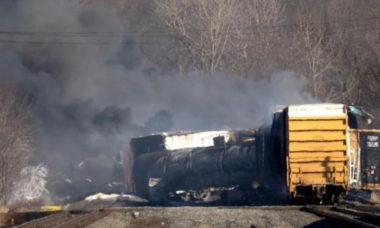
(213, 166)
(307, 155)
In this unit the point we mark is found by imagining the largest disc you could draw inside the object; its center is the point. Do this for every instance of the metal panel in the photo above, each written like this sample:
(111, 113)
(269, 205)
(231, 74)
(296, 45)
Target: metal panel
(317, 155)
(354, 158)
(333, 166)
(370, 158)
(317, 146)
(317, 110)
(314, 125)
(317, 135)
(193, 139)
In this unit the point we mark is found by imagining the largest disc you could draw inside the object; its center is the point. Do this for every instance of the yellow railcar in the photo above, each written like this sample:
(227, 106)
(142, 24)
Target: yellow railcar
(316, 156)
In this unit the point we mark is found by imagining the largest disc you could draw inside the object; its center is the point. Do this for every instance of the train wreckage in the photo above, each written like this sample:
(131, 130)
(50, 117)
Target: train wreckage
(200, 166)
(311, 153)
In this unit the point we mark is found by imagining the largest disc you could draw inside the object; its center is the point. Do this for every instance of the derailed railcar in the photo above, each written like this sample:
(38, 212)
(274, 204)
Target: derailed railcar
(146, 150)
(233, 167)
(307, 155)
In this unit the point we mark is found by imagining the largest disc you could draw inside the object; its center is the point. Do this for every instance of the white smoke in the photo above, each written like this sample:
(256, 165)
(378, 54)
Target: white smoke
(31, 187)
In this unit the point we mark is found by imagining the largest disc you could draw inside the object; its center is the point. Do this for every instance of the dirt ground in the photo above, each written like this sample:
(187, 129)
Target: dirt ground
(210, 217)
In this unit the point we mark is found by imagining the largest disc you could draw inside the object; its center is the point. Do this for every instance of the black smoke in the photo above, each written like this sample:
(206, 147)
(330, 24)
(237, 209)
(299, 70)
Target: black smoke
(90, 89)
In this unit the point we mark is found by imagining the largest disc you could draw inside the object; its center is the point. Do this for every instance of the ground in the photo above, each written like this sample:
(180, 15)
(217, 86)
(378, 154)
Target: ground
(210, 217)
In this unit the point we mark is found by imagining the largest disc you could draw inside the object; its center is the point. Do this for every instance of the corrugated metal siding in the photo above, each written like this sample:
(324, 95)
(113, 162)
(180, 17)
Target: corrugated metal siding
(317, 146)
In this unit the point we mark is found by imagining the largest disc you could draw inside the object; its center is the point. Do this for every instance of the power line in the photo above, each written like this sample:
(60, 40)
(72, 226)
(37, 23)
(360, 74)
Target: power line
(350, 28)
(157, 32)
(69, 42)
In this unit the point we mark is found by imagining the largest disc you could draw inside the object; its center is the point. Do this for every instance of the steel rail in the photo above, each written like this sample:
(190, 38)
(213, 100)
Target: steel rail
(344, 217)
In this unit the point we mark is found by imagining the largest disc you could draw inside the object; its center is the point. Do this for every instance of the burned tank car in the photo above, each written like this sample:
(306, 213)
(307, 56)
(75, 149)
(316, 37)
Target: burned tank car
(214, 166)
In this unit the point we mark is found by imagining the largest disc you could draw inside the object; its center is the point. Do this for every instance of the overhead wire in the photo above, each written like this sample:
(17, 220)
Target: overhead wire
(92, 37)
(156, 32)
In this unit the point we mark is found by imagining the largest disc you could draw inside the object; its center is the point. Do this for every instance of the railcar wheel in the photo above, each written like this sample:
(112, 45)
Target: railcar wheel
(157, 191)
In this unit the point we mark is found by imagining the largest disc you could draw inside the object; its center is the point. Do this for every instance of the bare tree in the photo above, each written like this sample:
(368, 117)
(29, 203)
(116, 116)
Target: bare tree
(352, 25)
(223, 35)
(318, 64)
(261, 34)
(15, 144)
(203, 29)
(316, 49)
(334, 44)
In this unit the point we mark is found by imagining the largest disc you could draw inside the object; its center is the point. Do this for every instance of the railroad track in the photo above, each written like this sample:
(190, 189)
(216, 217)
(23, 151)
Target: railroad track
(347, 216)
(66, 219)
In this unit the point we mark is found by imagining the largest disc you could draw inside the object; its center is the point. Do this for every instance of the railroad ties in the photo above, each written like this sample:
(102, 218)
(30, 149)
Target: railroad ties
(66, 219)
(346, 215)
(343, 215)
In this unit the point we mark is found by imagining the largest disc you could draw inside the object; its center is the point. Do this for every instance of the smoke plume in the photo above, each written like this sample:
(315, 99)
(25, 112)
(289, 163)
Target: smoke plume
(91, 90)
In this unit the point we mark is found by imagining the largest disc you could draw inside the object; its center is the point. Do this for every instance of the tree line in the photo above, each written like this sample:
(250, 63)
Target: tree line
(333, 44)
